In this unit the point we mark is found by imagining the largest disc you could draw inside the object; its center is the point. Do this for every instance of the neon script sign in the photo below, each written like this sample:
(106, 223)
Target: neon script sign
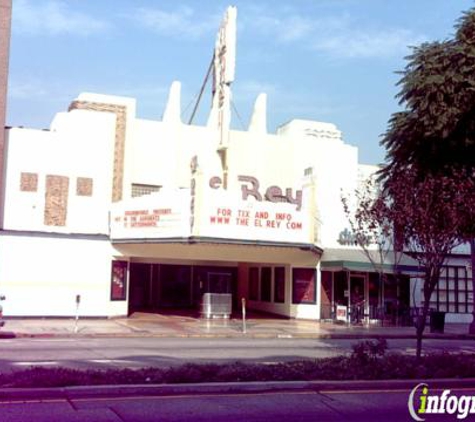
(251, 187)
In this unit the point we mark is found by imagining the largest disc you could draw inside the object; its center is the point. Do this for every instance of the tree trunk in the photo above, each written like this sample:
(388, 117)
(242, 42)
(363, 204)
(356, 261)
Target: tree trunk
(431, 278)
(471, 328)
(421, 325)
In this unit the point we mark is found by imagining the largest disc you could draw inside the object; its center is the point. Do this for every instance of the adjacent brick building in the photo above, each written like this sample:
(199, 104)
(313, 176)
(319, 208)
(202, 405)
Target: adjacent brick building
(5, 29)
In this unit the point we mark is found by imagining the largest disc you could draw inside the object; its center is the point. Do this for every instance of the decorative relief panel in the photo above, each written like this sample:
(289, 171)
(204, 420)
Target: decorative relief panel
(119, 148)
(56, 200)
(29, 182)
(84, 186)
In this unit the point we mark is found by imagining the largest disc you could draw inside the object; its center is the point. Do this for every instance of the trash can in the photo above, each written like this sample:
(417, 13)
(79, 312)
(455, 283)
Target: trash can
(437, 322)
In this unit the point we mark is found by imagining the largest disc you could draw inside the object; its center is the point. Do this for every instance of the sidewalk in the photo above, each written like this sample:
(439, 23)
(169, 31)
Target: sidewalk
(161, 325)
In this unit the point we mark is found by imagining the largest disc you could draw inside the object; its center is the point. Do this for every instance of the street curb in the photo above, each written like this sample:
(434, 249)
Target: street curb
(110, 391)
(326, 336)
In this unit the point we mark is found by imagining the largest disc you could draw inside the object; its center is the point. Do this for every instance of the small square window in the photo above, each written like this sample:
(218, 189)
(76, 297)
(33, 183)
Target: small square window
(141, 189)
(29, 182)
(84, 186)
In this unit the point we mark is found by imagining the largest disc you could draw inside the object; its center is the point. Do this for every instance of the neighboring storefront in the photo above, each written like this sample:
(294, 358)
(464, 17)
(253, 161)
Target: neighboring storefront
(370, 290)
(453, 294)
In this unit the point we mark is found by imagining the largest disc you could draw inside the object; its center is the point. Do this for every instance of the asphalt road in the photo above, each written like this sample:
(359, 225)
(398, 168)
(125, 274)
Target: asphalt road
(301, 405)
(143, 352)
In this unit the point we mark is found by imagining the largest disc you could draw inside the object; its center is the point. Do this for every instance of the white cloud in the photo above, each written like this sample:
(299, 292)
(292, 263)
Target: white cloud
(337, 36)
(25, 90)
(182, 22)
(53, 17)
(359, 44)
(285, 25)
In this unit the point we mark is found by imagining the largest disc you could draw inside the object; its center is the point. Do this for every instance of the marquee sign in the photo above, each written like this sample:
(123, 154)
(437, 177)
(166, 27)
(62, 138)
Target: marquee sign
(207, 211)
(158, 215)
(226, 216)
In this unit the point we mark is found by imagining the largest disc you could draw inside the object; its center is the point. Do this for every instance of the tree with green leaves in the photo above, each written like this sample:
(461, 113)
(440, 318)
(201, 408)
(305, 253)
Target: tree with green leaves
(420, 216)
(436, 130)
(431, 152)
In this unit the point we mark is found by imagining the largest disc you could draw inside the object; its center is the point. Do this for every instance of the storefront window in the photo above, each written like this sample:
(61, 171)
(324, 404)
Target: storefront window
(303, 286)
(341, 293)
(453, 292)
(374, 290)
(279, 284)
(254, 283)
(326, 294)
(266, 284)
(119, 280)
(391, 299)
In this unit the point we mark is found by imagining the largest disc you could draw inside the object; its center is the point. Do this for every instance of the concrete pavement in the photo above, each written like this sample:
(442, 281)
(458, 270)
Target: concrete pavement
(173, 325)
(80, 392)
(302, 401)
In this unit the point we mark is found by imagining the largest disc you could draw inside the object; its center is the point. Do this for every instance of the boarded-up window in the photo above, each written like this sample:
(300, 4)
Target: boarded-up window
(56, 201)
(29, 182)
(84, 186)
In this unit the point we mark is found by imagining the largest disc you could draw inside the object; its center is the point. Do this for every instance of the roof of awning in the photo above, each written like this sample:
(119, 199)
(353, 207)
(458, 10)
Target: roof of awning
(224, 250)
(357, 260)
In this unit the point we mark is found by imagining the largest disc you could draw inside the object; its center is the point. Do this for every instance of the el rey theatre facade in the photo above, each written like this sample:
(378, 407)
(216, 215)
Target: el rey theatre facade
(143, 215)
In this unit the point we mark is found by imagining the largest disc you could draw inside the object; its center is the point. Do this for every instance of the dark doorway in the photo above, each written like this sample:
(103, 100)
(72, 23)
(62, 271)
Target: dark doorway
(357, 296)
(341, 288)
(163, 286)
(175, 286)
(140, 287)
(213, 279)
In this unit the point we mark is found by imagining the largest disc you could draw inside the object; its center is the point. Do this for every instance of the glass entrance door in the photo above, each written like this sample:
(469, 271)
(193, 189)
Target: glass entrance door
(219, 283)
(357, 298)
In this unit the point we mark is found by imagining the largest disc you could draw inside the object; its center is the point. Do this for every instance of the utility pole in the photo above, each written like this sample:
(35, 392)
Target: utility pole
(471, 329)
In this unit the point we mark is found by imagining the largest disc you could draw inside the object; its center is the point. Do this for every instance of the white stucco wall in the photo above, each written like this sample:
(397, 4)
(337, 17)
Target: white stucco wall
(41, 276)
(80, 144)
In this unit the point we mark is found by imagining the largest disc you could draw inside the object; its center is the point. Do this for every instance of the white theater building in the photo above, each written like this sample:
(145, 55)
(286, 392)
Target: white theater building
(145, 215)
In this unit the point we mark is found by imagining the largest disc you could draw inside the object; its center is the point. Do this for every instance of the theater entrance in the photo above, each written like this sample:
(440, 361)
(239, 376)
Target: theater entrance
(155, 287)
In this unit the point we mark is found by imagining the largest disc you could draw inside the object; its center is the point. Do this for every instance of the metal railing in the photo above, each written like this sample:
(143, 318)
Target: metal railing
(384, 315)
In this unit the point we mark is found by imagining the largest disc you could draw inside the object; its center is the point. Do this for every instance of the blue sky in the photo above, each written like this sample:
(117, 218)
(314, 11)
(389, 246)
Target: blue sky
(325, 60)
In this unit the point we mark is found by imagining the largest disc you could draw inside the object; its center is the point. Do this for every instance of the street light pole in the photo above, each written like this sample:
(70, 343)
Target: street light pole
(471, 329)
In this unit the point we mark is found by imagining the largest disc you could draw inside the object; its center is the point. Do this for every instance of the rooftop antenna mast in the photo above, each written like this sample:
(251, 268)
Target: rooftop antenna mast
(200, 95)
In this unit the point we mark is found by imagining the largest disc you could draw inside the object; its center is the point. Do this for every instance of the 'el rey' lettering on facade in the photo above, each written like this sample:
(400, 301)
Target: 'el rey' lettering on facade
(251, 187)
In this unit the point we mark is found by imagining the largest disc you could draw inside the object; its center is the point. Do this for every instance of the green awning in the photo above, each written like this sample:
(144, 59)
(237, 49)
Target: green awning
(356, 260)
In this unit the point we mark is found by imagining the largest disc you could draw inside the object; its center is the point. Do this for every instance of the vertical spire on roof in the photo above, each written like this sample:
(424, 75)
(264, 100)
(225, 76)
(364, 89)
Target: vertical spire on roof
(172, 109)
(258, 123)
